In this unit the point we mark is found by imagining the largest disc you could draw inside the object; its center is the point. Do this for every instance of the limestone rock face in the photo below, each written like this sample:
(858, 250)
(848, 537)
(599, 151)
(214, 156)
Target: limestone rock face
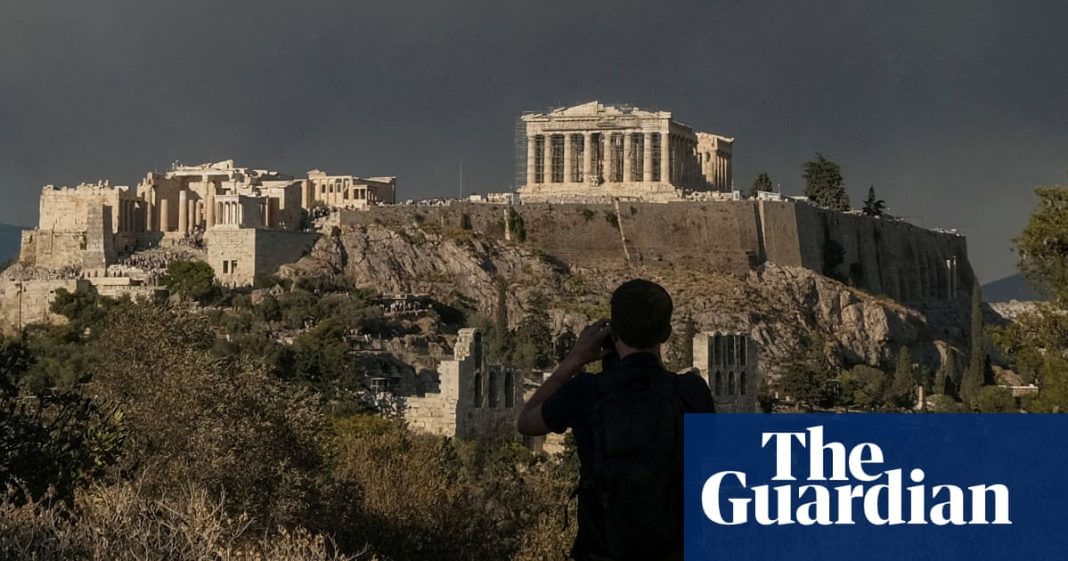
(783, 308)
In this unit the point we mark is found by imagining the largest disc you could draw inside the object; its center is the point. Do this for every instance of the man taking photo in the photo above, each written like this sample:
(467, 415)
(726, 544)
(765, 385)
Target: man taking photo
(627, 423)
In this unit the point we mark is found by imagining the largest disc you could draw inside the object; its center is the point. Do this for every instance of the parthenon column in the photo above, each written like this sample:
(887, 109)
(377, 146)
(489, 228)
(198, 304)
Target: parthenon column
(647, 157)
(164, 215)
(531, 159)
(587, 158)
(665, 157)
(567, 158)
(606, 170)
(183, 211)
(547, 159)
(628, 149)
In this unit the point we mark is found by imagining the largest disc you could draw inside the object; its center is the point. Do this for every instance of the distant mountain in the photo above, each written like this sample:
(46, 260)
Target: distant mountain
(1010, 288)
(10, 238)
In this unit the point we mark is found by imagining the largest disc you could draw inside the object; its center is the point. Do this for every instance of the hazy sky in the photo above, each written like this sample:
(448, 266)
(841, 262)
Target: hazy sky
(954, 111)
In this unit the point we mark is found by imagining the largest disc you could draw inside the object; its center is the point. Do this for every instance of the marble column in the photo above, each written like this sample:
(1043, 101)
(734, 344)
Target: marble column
(647, 157)
(587, 158)
(183, 212)
(628, 151)
(164, 218)
(567, 158)
(547, 159)
(606, 170)
(209, 209)
(531, 158)
(665, 157)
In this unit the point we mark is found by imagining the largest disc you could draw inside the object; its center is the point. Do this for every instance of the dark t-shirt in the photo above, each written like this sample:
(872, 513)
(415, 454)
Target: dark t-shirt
(571, 407)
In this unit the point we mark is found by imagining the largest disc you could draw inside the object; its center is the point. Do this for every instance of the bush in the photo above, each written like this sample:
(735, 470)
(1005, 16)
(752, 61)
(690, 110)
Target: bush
(190, 279)
(993, 399)
(193, 418)
(121, 523)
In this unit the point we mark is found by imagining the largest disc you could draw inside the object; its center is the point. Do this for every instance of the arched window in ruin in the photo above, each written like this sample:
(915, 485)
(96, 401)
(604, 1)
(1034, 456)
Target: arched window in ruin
(719, 383)
(730, 383)
(731, 341)
(742, 343)
(509, 389)
(494, 389)
(478, 389)
(717, 350)
(741, 383)
(477, 351)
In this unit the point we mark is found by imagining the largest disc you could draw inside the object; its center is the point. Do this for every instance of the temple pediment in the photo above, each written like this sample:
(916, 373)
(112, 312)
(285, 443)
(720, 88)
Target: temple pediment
(596, 109)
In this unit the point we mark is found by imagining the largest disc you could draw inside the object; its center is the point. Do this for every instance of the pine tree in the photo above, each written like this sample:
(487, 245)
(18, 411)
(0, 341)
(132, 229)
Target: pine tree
(872, 205)
(761, 183)
(975, 375)
(824, 184)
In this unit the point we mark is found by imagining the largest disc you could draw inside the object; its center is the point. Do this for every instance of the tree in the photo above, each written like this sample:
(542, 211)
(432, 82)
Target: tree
(903, 387)
(975, 375)
(58, 440)
(812, 380)
(190, 279)
(824, 184)
(864, 387)
(872, 205)
(224, 424)
(680, 355)
(945, 382)
(1043, 244)
(761, 183)
(534, 337)
(993, 399)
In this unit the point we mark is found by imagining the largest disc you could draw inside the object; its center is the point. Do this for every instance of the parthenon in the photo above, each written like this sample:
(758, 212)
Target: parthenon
(594, 151)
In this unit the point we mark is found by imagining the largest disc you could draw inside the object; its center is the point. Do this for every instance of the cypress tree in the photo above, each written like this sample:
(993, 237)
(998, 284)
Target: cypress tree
(975, 375)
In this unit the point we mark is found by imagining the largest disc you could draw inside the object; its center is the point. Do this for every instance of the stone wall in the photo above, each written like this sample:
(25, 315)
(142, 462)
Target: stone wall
(882, 256)
(470, 399)
(27, 302)
(237, 255)
(728, 363)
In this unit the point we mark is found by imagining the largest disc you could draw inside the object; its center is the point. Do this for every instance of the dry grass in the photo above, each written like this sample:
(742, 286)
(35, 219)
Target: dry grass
(120, 523)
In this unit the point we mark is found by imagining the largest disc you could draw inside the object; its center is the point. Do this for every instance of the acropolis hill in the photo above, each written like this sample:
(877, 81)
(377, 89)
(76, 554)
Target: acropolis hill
(610, 192)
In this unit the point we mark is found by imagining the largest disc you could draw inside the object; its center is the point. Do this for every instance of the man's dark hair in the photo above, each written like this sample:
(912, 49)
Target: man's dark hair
(641, 314)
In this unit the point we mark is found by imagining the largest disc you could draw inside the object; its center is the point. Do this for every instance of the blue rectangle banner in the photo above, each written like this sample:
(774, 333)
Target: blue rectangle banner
(876, 487)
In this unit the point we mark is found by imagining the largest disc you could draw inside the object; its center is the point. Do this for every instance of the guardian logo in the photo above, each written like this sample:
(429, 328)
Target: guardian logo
(875, 487)
(842, 484)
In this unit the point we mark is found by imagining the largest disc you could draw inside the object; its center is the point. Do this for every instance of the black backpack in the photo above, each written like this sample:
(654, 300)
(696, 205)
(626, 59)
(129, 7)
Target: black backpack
(636, 472)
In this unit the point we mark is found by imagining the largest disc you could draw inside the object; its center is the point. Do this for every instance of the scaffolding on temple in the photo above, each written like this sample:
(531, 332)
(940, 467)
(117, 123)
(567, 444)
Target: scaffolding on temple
(520, 140)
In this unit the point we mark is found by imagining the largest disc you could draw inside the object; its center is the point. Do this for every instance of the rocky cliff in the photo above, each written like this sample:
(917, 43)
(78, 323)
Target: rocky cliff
(782, 307)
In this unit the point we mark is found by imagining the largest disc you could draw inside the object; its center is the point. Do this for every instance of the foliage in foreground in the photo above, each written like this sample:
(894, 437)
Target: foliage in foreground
(122, 522)
(257, 452)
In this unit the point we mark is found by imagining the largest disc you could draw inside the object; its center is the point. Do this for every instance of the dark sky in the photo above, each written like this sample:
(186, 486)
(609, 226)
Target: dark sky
(954, 111)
